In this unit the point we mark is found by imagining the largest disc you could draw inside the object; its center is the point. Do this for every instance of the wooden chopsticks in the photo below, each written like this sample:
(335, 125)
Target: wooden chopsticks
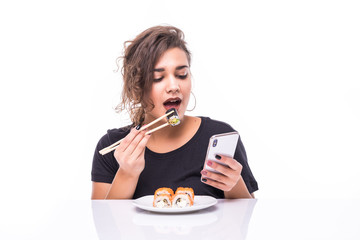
(113, 146)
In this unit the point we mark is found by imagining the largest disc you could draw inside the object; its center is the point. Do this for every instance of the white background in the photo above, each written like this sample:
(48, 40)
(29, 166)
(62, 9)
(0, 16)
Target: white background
(285, 74)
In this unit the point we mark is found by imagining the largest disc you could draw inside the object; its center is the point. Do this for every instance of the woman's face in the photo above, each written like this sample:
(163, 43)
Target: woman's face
(172, 84)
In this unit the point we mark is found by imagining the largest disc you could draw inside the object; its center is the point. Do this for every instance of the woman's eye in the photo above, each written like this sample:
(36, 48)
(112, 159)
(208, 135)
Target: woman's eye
(158, 79)
(182, 76)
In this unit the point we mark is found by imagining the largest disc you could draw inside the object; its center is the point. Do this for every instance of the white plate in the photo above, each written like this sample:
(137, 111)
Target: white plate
(200, 202)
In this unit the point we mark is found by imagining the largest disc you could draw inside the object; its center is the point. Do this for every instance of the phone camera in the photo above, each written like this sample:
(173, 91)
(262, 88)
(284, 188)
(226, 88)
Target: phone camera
(215, 142)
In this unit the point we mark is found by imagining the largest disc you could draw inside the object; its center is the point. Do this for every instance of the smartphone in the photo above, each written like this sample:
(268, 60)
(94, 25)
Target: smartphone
(221, 144)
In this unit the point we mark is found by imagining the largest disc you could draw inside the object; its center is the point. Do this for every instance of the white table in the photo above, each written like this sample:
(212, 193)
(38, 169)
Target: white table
(229, 219)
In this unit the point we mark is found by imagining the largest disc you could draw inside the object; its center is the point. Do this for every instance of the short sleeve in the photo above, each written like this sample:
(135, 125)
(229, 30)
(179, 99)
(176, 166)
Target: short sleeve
(240, 156)
(104, 167)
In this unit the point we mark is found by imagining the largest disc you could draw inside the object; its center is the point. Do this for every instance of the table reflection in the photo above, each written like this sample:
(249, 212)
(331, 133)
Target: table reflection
(119, 219)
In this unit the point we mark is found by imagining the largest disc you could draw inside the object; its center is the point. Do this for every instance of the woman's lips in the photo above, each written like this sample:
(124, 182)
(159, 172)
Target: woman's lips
(172, 103)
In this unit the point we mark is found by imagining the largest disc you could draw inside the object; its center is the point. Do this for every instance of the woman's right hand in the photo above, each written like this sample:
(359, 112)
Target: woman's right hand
(130, 153)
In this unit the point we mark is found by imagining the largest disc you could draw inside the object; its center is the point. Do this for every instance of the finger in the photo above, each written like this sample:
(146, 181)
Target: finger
(128, 140)
(214, 176)
(140, 150)
(214, 183)
(232, 163)
(134, 143)
(225, 170)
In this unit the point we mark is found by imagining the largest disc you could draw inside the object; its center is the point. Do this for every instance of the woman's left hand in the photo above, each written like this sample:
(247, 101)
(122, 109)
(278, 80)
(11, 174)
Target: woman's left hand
(227, 177)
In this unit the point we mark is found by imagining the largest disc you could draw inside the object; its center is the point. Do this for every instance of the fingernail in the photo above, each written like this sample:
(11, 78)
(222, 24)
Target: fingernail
(203, 179)
(209, 163)
(203, 172)
(138, 127)
(218, 157)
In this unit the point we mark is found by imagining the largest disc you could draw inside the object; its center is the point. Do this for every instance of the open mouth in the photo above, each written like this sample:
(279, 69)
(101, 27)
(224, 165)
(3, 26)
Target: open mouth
(172, 103)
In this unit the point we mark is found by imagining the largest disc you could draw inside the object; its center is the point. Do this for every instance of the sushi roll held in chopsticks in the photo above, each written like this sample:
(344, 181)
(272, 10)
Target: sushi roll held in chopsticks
(173, 119)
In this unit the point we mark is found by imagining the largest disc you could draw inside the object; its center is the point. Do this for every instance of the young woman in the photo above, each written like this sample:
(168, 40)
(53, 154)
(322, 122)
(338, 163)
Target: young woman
(157, 77)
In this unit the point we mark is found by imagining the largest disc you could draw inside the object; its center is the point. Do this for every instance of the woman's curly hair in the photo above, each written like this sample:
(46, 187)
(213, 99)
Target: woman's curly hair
(140, 57)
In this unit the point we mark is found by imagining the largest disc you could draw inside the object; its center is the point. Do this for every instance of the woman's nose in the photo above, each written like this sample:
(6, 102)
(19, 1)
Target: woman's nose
(172, 84)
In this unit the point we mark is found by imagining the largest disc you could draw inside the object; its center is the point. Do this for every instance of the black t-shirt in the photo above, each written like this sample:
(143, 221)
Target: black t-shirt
(178, 168)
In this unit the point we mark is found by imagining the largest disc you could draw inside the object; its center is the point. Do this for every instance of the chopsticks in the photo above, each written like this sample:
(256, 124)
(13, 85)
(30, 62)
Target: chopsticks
(113, 146)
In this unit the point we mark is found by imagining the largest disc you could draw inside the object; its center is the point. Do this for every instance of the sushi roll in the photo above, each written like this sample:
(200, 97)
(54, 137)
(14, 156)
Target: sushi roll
(182, 200)
(162, 201)
(188, 191)
(173, 119)
(164, 190)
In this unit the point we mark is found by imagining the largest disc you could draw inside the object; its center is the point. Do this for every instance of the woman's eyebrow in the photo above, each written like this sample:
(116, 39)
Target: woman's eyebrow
(159, 69)
(181, 67)
(177, 68)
